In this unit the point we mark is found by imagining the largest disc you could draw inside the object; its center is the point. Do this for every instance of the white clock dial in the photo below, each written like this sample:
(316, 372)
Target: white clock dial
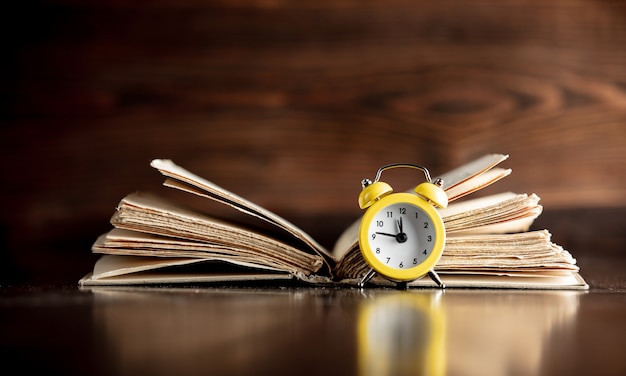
(401, 235)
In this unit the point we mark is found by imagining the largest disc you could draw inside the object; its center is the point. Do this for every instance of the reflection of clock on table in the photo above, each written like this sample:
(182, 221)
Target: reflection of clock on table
(402, 235)
(402, 333)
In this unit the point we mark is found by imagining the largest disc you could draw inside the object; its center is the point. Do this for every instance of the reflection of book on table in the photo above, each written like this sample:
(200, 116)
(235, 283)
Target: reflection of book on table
(154, 241)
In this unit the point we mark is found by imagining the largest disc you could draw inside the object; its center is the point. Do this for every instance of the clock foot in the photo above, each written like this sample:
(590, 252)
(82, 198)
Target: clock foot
(404, 285)
(369, 275)
(435, 277)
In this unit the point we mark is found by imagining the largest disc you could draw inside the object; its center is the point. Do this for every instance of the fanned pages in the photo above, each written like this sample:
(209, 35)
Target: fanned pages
(489, 243)
(152, 215)
(189, 182)
(473, 176)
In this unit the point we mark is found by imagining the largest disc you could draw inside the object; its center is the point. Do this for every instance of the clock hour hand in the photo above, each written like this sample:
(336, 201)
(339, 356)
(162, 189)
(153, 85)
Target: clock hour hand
(386, 234)
(400, 237)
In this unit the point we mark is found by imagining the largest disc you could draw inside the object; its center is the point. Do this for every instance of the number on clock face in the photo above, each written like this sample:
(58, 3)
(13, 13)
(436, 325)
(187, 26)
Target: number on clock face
(401, 235)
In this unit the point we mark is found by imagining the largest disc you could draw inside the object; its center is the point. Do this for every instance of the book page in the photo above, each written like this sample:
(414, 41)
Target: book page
(478, 182)
(132, 243)
(131, 270)
(187, 181)
(470, 170)
(499, 213)
(111, 266)
(538, 281)
(211, 237)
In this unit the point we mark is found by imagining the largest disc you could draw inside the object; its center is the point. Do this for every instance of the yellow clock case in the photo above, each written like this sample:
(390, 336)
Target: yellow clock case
(419, 270)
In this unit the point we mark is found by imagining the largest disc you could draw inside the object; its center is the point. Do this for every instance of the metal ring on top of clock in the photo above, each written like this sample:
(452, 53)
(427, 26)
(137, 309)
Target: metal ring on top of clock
(409, 165)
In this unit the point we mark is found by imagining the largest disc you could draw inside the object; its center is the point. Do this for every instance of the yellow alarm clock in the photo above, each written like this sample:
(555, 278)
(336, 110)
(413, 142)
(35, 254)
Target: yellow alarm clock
(402, 235)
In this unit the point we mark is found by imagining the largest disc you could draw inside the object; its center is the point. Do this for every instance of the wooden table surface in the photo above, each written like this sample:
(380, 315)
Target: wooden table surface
(63, 330)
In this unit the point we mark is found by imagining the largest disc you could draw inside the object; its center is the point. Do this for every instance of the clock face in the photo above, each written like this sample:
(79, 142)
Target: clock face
(402, 235)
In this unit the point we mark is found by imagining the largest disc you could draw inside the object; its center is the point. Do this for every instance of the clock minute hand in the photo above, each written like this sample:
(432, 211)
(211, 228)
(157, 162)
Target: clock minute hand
(401, 236)
(399, 222)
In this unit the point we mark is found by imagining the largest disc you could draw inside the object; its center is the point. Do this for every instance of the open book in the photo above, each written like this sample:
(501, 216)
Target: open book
(155, 241)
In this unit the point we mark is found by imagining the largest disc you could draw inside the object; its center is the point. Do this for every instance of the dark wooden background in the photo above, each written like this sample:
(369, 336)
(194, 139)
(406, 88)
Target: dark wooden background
(291, 104)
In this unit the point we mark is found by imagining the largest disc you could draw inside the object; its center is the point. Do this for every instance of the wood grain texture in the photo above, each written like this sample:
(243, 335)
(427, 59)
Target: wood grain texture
(291, 105)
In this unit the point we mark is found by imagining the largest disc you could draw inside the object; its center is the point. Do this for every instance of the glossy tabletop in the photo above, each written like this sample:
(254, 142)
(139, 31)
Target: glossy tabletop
(244, 330)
